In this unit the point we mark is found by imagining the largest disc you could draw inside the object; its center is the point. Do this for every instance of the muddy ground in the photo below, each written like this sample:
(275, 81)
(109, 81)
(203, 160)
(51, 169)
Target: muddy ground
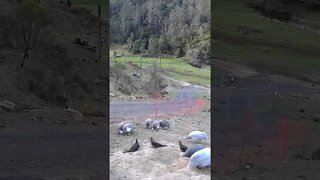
(161, 163)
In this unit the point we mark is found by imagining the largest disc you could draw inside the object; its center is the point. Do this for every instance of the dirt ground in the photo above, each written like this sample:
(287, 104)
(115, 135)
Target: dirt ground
(161, 163)
(249, 113)
(47, 144)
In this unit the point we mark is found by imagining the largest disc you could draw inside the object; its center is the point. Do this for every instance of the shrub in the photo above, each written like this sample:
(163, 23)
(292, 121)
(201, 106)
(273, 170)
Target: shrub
(195, 58)
(53, 76)
(156, 79)
(123, 81)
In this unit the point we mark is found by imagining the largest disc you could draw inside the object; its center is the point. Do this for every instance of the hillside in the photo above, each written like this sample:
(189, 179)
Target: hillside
(179, 28)
(52, 108)
(242, 35)
(81, 77)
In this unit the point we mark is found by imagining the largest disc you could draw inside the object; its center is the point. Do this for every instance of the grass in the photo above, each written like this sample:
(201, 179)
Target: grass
(176, 68)
(92, 6)
(277, 47)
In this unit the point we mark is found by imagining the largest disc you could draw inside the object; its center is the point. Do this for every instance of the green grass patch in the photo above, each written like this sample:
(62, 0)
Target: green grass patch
(176, 68)
(268, 44)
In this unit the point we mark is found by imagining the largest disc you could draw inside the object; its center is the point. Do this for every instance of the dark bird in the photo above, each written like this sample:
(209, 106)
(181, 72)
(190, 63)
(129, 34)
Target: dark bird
(182, 147)
(155, 144)
(134, 147)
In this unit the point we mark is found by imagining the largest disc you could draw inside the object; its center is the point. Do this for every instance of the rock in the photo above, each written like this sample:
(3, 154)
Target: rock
(7, 106)
(111, 94)
(61, 122)
(74, 115)
(133, 97)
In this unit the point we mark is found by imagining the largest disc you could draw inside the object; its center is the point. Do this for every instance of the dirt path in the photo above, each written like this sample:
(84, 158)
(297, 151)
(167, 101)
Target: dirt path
(44, 149)
(187, 97)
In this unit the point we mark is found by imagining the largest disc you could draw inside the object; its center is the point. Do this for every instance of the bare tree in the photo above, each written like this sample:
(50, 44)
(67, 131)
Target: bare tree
(31, 18)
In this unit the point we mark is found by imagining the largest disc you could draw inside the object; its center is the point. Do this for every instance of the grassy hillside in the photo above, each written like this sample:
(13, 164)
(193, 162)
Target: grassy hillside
(56, 66)
(176, 68)
(241, 35)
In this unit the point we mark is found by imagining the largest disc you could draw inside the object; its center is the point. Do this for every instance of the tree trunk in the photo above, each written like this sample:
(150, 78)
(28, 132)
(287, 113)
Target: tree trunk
(25, 56)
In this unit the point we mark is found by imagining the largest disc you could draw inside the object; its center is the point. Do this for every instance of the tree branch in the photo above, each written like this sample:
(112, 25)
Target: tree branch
(37, 32)
(24, 35)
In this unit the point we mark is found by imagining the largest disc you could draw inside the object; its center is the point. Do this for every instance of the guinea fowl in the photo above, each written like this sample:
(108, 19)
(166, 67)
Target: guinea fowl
(155, 144)
(183, 148)
(198, 136)
(134, 147)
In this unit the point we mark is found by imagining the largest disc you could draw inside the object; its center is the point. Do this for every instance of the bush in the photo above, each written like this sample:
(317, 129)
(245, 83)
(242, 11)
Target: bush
(155, 76)
(53, 76)
(123, 81)
(195, 58)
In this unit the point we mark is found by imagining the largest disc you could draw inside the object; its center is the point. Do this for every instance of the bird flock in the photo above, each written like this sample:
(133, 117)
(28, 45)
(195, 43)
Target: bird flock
(200, 155)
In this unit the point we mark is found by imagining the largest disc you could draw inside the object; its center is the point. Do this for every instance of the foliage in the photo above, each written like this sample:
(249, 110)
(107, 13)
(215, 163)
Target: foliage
(159, 27)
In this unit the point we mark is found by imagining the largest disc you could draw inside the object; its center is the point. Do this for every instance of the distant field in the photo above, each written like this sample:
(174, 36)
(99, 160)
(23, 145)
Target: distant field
(268, 44)
(176, 68)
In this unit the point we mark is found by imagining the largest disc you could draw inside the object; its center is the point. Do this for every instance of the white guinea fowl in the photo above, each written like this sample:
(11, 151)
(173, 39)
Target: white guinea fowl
(198, 136)
(200, 159)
